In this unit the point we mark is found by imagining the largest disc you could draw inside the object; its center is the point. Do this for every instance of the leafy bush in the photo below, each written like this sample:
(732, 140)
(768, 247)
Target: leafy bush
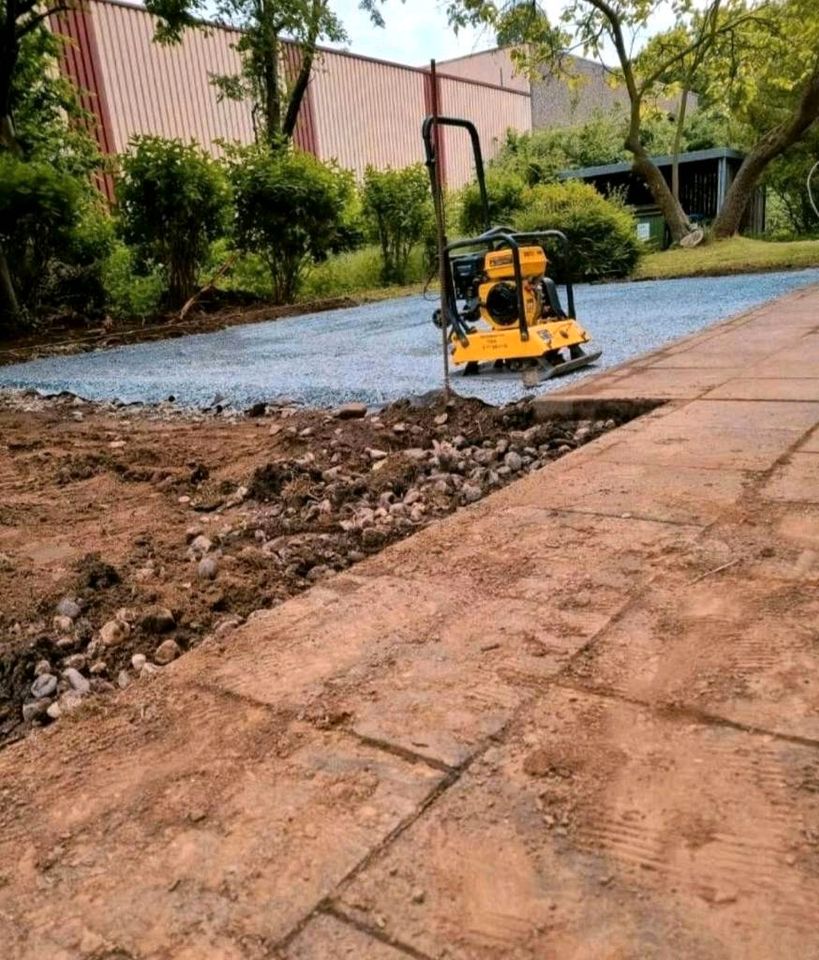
(39, 207)
(172, 203)
(505, 190)
(130, 295)
(291, 209)
(397, 207)
(602, 231)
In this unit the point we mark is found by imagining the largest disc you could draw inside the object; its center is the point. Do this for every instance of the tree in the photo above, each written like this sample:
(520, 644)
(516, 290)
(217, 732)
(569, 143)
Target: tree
(172, 202)
(275, 90)
(592, 25)
(19, 20)
(398, 210)
(770, 80)
(290, 208)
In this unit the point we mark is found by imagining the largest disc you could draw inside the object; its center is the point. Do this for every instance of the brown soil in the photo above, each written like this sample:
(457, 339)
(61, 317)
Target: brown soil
(101, 505)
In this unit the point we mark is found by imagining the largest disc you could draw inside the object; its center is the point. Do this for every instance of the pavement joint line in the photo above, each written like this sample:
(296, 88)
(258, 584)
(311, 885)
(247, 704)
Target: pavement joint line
(622, 516)
(332, 910)
(681, 711)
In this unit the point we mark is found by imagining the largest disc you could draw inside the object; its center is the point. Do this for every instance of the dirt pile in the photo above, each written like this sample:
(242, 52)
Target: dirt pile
(127, 535)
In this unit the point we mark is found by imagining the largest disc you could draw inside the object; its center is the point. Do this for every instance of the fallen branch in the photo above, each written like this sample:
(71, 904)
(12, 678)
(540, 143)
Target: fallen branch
(210, 285)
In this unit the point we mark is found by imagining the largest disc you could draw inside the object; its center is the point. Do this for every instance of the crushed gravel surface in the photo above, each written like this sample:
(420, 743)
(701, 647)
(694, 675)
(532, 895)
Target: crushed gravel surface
(380, 352)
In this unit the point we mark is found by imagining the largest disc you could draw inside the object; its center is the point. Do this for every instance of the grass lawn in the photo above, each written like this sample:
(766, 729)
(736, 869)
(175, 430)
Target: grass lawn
(737, 255)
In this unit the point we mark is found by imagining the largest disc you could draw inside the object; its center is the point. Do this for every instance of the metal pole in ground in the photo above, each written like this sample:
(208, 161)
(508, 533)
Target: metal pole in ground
(440, 223)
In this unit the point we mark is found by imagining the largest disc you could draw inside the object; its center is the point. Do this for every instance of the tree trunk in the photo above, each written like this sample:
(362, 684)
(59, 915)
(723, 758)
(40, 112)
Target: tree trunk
(669, 206)
(308, 53)
(9, 304)
(678, 135)
(771, 146)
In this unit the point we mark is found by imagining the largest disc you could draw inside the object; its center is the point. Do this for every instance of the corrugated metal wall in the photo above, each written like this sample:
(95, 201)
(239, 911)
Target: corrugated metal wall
(492, 110)
(358, 111)
(151, 88)
(367, 112)
(488, 66)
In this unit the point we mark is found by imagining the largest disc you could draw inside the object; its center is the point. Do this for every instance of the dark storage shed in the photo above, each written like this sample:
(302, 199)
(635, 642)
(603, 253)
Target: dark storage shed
(705, 176)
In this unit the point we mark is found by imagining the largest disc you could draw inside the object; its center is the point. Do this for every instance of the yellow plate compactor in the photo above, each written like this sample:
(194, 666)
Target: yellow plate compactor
(500, 306)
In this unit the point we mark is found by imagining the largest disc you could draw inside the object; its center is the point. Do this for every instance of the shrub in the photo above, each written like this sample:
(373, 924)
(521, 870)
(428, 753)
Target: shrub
(172, 203)
(39, 207)
(130, 294)
(505, 190)
(291, 209)
(602, 231)
(397, 208)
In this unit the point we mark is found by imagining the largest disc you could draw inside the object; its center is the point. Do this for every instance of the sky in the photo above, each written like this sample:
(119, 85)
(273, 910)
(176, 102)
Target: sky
(417, 30)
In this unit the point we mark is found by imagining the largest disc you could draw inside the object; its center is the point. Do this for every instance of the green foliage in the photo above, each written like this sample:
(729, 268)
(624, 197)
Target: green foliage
(172, 203)
(357, 272)
(39, 208)
(789, 211)
(291, 209)
(129, 293)
(397, 208)
(602, 232)
(505, 189)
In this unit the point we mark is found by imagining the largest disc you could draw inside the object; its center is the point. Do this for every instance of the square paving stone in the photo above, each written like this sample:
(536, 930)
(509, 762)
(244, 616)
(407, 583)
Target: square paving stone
(719, 435)
(189, 825)
(796, 481)
(601, 830)
(767, 388)
(326, 938)
(687, 495)
(744, 650)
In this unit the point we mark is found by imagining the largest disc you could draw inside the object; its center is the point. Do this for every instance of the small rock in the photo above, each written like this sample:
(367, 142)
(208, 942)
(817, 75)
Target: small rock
(44, 686)
(98, 667)
(67, 607)
(35, 710)
(208, 568)
(113, 633)
(6, 563)
(75, 662)
(375, 454)
(127, 615)
(192, 533)
(514, 461)
(441, 419)
(54, 711)
(70, 701)
(158, 620)
(123, 679)
(350, 411)
(41, 667)
(200, 546)
(471, 493)
(138, 661)
(399, 428)
(166, 652)
(77, 681)
(418, 895)
(63, 624)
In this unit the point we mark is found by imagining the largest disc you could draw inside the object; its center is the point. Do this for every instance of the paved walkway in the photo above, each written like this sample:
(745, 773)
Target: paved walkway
(579, 720)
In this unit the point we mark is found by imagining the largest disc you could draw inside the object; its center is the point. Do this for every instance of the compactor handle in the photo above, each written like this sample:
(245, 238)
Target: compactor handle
(432, 156)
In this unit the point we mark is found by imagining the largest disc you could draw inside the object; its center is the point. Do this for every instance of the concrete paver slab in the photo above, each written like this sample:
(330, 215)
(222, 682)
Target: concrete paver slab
(195, 826)
(719, 435)
(326, 938)
(728, 647)
(686, 495)
(795, 481)
(602, 830)
(762, 388)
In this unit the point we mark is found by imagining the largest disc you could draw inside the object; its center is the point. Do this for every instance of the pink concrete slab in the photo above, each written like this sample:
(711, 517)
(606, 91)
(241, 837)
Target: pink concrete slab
(649, 491)
(326, 938)
(811, 443)
(599, 831)
(215, 828)
(795, 481)
(766, 388)
(719, 434)
(741, 649)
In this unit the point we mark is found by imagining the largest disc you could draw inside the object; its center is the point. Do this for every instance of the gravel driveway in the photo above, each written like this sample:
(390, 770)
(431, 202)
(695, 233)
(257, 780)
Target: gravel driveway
(383, 351)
